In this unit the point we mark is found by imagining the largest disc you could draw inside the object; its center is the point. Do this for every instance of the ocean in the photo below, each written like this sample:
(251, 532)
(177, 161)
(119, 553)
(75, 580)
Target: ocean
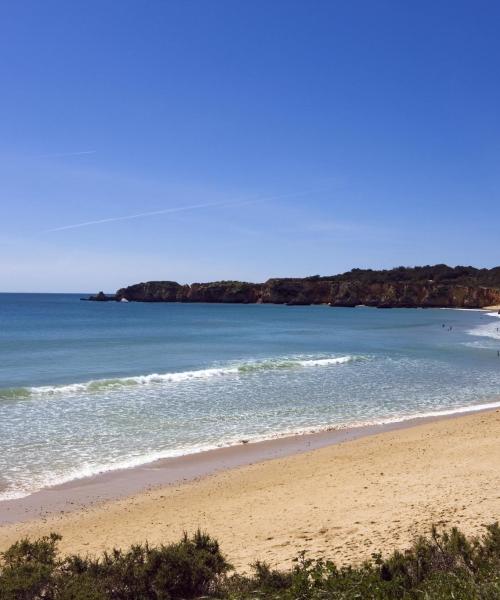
(87, 387)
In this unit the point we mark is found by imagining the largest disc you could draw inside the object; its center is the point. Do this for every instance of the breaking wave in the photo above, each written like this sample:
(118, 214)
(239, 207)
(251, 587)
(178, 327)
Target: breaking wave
(167, 378)
(490, 330)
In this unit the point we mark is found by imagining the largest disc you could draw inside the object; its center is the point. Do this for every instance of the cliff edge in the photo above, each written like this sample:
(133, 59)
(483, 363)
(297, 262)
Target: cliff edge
(404, 287)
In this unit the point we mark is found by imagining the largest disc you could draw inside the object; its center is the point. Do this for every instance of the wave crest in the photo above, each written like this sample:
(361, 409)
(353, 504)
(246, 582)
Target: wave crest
(165, 378)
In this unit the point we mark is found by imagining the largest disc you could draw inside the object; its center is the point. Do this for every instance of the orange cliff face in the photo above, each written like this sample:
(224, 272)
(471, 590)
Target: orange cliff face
(411, 295)
(351, 289)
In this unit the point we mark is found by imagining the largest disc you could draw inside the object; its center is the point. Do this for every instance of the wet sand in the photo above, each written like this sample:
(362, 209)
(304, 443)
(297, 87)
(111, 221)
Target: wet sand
(338, 494)
(121, 483)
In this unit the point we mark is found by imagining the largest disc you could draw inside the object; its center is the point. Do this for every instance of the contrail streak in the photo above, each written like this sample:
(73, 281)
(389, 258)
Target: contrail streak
(143, 214)
(176, 209)
(61, 154)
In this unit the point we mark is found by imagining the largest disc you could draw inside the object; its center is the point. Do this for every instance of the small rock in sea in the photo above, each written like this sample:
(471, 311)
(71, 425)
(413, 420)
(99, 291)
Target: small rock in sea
(244, 441)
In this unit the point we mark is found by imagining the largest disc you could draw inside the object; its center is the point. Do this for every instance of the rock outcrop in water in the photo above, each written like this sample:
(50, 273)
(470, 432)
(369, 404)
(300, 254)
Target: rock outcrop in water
(426, 287)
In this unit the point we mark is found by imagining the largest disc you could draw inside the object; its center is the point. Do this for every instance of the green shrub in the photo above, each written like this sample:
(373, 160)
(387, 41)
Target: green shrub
(441, 566)
(189, 569)
(27, 569)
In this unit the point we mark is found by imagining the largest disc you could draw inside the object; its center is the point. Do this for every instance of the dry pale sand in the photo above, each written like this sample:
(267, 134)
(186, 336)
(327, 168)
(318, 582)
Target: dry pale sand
(344, 501)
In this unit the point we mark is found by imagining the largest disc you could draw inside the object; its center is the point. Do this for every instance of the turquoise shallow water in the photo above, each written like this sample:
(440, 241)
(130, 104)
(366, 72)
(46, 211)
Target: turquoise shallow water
(87, 387)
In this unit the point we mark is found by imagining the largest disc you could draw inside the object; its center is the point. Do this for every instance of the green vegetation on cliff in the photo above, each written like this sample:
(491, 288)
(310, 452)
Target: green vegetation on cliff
(439, 274)
(442, 566)
(403, 287)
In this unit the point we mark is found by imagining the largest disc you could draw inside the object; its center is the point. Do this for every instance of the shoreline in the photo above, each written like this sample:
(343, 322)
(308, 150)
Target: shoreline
(100, 463)
(344, 501)
(118, 484)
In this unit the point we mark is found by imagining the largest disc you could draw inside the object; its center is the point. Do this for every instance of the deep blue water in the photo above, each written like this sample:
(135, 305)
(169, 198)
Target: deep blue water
(86, 386)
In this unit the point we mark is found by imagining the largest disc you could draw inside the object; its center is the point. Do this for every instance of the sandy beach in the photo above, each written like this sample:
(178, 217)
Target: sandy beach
(343, 501)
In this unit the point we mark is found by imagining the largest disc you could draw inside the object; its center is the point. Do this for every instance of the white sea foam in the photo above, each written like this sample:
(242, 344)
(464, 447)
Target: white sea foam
(72, 388)
(463, 309)
(323, 362)
(445, 412)
(182, 376)
(27, 488)
(490, 329)
(90, 470)
(151, 378)
(236, 369)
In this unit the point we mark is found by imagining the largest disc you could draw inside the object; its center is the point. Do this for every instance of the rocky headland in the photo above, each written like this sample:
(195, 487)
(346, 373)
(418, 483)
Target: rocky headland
(403, 287)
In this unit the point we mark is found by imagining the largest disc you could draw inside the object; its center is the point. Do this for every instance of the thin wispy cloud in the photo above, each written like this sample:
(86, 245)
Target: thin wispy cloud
(63, 154)
(176, 209)
(335, 226)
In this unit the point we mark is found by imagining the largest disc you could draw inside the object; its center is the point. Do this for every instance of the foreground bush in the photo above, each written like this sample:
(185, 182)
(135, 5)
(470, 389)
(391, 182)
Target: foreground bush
(442, 566)
(189, 569)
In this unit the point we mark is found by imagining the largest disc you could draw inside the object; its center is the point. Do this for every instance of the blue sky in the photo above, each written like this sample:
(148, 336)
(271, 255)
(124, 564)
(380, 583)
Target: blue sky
(269, 138)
